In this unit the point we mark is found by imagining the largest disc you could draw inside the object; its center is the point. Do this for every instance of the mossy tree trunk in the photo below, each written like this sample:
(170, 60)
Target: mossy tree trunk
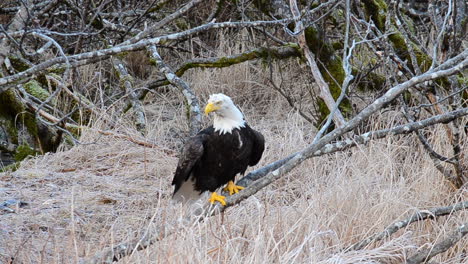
(331, 68)
(21, 133)
(377, 11)
(330, 64)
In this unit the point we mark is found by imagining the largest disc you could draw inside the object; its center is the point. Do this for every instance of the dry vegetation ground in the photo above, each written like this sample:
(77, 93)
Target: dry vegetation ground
(109, 190)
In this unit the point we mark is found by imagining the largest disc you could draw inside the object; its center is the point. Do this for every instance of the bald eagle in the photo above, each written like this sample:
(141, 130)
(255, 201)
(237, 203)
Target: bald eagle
(214, 156)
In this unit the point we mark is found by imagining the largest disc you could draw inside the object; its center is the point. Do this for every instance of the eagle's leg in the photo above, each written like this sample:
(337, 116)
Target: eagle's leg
(215, 197)
(232, 188)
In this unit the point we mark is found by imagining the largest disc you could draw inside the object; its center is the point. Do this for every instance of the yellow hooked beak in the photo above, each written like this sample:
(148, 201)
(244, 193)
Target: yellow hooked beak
(210, 107)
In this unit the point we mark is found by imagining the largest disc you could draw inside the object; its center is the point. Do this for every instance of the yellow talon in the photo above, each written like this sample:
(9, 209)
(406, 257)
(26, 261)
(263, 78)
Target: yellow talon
(232, 188)
(215, 197)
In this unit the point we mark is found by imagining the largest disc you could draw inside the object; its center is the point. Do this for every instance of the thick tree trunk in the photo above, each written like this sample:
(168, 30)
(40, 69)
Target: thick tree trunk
(21, 133)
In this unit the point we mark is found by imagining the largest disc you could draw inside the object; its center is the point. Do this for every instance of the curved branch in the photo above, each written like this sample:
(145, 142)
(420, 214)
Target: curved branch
(131, 47)
(192, 100)
(287, 51)
(127, 84)
(159, 24)
(424, 255)
(418, 216)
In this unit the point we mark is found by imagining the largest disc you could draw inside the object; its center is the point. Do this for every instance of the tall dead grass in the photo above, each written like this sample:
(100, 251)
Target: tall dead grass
(109, 190)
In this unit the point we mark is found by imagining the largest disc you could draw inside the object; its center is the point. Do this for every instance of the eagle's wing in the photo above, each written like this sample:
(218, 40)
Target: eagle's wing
(258, 147)
(191, 153)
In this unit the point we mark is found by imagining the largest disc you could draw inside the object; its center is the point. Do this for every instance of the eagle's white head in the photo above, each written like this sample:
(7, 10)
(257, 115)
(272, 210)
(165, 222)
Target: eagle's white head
(226, 115)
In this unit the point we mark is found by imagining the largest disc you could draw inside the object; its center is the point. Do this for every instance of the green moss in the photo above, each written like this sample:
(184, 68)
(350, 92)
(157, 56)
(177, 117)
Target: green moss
(323, 110)
(407, 96)
(126, 78)
(376, 10)
(122, 55)
(399, 43)
(424, 61)
(12, 167)
(14, 109)
(55, 72)
(331, 69)
(23, 151)
(370, 82)
(264, 6)
(153, 62)
(337, 45)
(316, 44)
(462, 80)
(10, 104)
(42, 79)
(10, 128)
(29, 120)
(75, 130)
(18, 64)
(409, 22)
(34, 88)
(97, 23)
(182, 24)
(7, 115)
(260, 53)
(293, 45)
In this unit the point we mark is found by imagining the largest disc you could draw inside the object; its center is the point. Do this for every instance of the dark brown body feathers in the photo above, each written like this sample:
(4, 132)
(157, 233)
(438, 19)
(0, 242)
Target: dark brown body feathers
(213, 159)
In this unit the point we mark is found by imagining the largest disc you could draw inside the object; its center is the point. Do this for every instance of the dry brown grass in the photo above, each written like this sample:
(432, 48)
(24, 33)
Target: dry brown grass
(109, 190)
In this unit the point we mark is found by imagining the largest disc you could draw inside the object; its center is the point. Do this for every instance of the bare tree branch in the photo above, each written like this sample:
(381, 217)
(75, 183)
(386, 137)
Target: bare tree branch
(166, 20)
(424, 255)
(127, 84)
(347, 52)
(131, 47)
(194, 117)
(418, 216)
(287, 51)
(389, 96)
(324, 89)
(440, 35)
(17, 23)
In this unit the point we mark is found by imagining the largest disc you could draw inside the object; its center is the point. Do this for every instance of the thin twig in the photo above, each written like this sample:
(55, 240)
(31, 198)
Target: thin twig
(324, 88)
(195, 117)
(347, 53)
(131, 47)
(424, 255)
(418, 216)
(127, 84)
